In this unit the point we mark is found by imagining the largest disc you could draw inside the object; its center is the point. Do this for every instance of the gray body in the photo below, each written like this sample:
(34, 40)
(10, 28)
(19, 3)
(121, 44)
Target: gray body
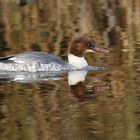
(32, 61)
(37, 61)
(32, 57)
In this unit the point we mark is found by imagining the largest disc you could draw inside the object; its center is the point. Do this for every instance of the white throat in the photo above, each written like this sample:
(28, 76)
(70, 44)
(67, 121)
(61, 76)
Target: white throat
(76, 61)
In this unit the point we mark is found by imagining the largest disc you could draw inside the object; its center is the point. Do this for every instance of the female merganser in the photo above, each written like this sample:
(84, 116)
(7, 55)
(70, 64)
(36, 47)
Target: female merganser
(41, 61)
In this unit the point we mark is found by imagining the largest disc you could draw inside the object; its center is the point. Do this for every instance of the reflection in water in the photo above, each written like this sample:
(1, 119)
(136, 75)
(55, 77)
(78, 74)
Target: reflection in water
(78, 89)
(76, 76)
(102, 106)
(30, 77)
(54, 96)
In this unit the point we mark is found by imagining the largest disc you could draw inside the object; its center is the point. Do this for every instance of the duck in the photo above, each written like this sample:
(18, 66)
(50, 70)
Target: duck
(34, 61)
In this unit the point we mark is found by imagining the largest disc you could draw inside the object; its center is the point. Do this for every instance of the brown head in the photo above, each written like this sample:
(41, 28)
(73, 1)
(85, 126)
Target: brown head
(81, 45)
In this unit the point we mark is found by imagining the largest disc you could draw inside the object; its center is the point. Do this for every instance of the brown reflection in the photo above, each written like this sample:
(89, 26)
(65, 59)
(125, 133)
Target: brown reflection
(82, 92)
(78, 90)
(53, 111)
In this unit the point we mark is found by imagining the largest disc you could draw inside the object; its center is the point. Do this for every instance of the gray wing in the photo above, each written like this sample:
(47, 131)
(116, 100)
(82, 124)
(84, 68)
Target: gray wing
(33, 57)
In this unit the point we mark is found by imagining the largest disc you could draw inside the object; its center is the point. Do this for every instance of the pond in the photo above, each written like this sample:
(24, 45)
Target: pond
(75, 105)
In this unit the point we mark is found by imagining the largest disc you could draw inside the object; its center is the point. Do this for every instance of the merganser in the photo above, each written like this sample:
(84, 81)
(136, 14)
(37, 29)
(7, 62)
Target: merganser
(41, 61)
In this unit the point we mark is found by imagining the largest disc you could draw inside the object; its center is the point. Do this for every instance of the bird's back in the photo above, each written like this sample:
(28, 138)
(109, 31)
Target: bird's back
(32, 57)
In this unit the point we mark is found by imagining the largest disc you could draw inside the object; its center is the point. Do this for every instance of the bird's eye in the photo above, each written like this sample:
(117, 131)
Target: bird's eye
(90, 45)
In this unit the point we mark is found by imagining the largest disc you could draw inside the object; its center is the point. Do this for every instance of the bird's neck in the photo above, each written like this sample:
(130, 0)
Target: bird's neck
(78, 62)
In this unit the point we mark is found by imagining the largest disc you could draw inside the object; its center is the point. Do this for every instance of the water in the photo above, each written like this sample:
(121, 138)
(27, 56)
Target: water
(96, 105)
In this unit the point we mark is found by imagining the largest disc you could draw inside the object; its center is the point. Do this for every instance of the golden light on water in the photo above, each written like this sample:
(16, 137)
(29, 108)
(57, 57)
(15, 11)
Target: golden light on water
(53, 110)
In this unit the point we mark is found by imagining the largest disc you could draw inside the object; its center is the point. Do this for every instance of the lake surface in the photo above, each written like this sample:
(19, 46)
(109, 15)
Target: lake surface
(101, 104)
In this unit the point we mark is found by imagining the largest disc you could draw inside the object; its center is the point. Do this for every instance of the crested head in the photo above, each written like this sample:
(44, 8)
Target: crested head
(80, 45)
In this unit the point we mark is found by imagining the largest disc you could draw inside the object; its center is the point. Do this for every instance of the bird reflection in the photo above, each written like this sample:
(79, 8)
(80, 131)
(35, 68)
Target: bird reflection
(78, 89)
(75, 81)
(30, 77)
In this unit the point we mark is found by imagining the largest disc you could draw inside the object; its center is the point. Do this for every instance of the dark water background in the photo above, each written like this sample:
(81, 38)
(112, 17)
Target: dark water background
(106, 106)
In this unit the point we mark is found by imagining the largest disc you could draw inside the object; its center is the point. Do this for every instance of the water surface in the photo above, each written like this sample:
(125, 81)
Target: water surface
(104, 104)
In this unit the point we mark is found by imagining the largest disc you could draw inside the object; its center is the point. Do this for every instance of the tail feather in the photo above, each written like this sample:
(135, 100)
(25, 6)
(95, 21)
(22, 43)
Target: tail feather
(6, 59)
